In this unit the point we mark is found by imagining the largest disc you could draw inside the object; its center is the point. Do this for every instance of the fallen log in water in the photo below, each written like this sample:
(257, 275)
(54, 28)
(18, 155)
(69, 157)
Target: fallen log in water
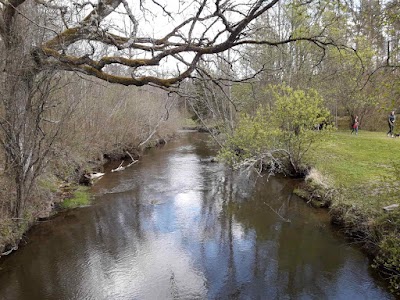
(121, 168)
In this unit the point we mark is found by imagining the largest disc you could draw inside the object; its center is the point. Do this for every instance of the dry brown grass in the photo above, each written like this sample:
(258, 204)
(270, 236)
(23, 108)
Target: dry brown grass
(315, 176)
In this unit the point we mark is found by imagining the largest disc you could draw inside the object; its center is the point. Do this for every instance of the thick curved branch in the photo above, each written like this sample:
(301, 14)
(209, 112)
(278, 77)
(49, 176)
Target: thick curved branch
(138, 81)
(86, 27)
(148, 51)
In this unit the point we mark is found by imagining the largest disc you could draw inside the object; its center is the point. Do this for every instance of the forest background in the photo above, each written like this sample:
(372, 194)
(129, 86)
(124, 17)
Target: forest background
(84, 81)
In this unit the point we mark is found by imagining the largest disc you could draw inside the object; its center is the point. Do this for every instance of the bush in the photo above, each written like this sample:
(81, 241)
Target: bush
(278, 136)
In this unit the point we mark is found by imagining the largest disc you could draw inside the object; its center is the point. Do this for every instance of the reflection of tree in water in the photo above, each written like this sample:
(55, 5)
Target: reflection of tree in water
(290, 255)
(304, 254)
(232, 245)
(249, 200)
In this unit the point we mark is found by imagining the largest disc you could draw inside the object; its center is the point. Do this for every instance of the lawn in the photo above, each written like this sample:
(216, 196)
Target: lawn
(363, 167)
(364, 171)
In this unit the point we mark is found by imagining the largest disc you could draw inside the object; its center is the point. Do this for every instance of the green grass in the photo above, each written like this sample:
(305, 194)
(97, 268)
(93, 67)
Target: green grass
(80, 197)
(365, 172)
(351, 160)
(362, 166)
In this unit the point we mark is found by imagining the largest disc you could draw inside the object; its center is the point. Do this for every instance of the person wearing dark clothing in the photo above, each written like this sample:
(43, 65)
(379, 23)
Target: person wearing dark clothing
(391, 120)
(355, 126)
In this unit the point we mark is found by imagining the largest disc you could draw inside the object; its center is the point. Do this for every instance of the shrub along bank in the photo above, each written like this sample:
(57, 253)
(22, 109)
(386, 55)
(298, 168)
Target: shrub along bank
(86, 123)
(358, 176)
(57, 189)
(355, 175)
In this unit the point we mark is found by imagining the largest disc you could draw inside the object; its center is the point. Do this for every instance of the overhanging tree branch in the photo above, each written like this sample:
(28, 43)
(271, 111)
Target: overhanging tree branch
(211, 27)
(154, 50)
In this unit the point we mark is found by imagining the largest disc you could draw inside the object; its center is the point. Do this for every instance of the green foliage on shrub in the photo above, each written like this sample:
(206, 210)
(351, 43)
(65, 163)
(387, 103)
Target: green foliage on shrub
(278, 135)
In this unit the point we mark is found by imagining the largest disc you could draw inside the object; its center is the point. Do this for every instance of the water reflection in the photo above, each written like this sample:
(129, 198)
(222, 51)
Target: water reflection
(177, 227)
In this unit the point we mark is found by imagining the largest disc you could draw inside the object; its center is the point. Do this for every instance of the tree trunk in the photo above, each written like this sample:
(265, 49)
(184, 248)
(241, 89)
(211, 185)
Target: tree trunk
(18, 115)
(18, 132)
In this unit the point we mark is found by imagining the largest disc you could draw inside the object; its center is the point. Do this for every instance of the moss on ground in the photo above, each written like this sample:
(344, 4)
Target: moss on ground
(79, 197)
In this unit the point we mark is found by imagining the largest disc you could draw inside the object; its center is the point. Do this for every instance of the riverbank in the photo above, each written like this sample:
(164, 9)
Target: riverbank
(358, 178)
(63, 186)
(177, 213)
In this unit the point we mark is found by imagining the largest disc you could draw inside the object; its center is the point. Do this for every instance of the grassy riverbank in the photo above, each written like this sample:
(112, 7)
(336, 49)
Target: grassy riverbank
(58, 189)
(354, 160)
(79, 197)
(363, 174)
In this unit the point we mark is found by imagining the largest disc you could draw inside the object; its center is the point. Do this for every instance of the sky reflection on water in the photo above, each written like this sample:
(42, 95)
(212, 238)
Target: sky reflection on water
(175, 226)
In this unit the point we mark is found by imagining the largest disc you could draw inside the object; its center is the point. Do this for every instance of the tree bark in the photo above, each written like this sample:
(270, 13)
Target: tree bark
(18, 120)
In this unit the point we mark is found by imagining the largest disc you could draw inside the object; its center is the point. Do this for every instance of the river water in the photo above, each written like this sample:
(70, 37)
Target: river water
(176, 226)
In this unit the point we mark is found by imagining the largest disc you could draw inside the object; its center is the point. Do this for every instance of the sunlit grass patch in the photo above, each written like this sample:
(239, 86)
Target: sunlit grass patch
(352, 160)
(365, 172)
(79, 197)
(362, 166)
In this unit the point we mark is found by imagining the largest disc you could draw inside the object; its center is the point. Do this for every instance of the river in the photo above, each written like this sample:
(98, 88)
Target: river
(177, 226)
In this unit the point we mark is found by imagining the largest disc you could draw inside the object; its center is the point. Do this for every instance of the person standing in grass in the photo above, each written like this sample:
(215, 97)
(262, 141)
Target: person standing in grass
(355, 125)
(391, 120)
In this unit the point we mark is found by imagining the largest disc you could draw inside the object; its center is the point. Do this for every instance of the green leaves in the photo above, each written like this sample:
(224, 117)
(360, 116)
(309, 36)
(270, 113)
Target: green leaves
(281, 133)
(298, 110)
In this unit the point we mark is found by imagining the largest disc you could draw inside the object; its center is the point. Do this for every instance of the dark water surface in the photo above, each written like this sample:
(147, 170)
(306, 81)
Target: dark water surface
(176, 227)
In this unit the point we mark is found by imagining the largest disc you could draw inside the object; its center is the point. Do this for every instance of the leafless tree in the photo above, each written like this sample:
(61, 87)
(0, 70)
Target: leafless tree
(39, 37)
(71, 37)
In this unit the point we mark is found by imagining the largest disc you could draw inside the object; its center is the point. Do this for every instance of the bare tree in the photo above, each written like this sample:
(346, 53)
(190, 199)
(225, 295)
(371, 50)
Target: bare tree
(39, 37)
(73, 33)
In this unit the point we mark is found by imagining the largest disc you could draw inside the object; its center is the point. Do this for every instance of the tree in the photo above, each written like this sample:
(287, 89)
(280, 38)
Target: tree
(70, 41)
(39, 37)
